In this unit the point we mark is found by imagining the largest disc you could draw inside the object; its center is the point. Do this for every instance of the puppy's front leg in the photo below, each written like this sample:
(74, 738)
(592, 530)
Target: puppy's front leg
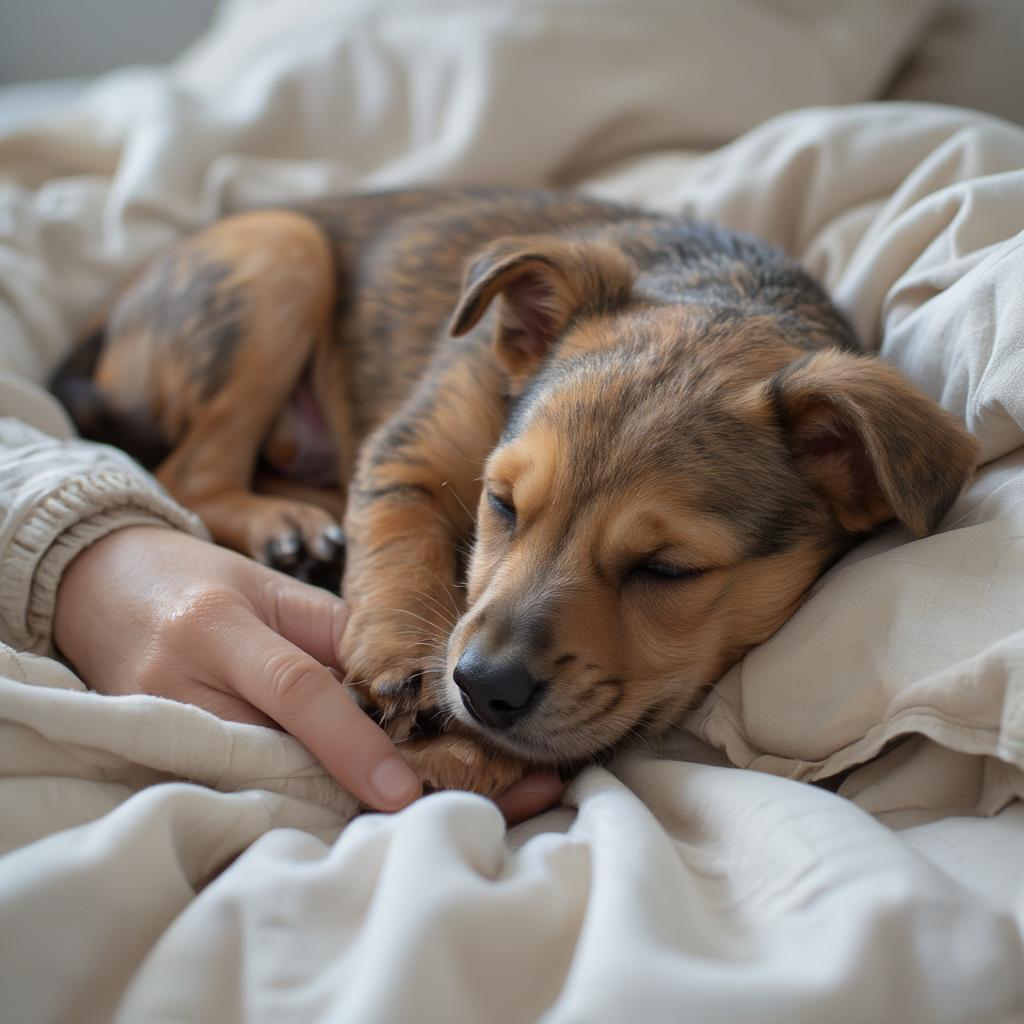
(410, 507)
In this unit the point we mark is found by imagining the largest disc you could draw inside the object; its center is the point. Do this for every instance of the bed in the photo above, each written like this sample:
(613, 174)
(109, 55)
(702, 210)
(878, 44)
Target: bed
(838, 832)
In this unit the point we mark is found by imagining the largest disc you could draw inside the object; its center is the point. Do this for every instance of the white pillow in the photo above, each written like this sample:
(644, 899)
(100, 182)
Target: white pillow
(545, 88)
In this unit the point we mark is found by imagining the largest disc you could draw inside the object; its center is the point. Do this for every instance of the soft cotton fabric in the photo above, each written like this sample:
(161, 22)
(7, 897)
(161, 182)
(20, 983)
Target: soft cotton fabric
(160, 864)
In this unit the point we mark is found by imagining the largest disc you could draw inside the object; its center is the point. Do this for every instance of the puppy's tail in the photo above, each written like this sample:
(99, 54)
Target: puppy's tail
(92, 412)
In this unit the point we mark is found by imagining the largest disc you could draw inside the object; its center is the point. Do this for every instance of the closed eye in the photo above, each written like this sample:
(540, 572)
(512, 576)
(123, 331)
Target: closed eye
(665, 571)
(505, 509)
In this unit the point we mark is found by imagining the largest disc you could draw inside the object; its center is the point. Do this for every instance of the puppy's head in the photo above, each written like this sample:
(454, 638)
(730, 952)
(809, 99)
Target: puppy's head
(672, 479)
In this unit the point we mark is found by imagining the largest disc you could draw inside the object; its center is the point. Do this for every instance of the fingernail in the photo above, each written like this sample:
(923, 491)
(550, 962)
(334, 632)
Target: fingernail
(394, 782)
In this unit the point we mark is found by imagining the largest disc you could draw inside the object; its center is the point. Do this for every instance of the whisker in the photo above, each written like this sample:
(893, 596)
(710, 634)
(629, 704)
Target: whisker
(415, 615)
(455, 494)
(445, 584)
(435, 603)
(420, 633)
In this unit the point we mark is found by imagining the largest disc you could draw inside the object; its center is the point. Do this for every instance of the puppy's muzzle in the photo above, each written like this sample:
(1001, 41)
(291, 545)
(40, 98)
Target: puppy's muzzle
(497, 691)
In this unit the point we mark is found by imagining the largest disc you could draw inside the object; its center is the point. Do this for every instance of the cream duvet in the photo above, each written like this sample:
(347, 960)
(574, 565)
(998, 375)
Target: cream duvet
(161, 865)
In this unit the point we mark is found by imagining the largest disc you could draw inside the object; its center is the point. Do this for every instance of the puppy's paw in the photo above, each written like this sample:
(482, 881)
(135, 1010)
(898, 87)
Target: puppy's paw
(458, 762)
(395, 699)
(388, 660)
(305, 543)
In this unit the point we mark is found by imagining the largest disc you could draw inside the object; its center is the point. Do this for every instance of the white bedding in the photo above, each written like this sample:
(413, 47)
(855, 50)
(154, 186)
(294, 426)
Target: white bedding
(161, 865)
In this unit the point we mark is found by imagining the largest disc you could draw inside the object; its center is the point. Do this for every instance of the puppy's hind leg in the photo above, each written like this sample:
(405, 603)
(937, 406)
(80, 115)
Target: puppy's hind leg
(226, 323)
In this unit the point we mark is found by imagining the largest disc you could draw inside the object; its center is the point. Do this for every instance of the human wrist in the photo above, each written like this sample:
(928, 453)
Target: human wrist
(57, 499)
(91, 568)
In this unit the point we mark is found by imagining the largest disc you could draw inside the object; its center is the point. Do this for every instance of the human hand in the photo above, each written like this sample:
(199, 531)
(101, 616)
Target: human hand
(151, 610)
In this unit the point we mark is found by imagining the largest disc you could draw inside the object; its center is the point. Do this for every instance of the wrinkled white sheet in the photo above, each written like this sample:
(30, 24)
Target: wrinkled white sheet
(161, 865)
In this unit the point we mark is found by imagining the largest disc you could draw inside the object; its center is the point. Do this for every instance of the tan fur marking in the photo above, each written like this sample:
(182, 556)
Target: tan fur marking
(284, 310)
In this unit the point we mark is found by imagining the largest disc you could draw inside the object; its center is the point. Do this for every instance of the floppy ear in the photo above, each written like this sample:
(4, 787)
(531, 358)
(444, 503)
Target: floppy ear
(544, 282)
(871, 442)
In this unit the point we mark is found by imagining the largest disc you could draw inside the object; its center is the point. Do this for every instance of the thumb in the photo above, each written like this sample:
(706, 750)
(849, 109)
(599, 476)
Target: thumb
(276, 663)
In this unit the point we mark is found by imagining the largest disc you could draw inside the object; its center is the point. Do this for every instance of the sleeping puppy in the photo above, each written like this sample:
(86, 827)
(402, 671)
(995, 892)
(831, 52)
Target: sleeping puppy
(585, 456)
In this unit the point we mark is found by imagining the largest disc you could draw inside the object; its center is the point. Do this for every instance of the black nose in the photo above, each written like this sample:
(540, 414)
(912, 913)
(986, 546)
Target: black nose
(496, 691)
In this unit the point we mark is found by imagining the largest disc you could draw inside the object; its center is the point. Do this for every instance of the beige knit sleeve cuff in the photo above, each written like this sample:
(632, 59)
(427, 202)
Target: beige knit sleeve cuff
(56, 498)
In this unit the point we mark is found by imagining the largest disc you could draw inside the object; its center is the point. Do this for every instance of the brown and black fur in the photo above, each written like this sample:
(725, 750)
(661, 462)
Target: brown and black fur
(645, 437)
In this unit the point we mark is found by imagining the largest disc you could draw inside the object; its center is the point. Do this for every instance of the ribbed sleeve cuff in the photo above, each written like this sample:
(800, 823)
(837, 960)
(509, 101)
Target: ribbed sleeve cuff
(75, 514)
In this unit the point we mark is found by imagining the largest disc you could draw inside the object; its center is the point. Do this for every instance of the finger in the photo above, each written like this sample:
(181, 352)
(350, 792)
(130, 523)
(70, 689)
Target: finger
(310, 617)
(302, 696)
(532, 794)
(227, 707)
